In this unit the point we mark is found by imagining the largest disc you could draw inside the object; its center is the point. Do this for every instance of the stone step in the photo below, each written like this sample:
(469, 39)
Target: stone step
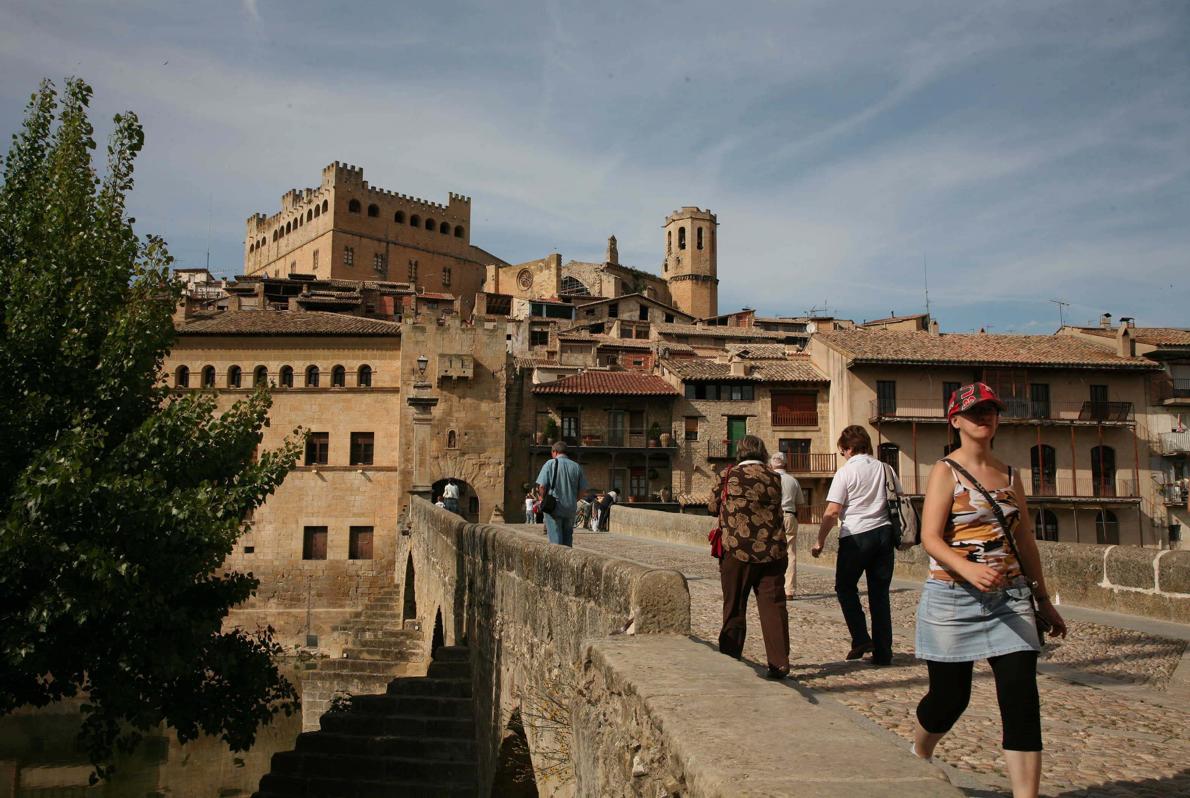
(397, 654)
(275, 786)
(360, 725)
(429, 686)
(363, 625)
(392, 640)
(350, 768)
(424, 706)
(436, 749)
(383, 613)
(359, 665)
(452, 654)
(449, 670)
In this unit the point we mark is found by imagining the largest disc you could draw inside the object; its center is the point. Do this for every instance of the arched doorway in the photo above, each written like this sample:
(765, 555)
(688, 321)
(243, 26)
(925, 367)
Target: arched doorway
(468, 498)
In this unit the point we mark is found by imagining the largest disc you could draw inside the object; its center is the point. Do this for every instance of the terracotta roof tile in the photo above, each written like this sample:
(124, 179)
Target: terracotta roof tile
(674, 328)
(969, 349)
(1153, 336)
(793, 369)
(757, 351)
(285, 322)
(612, 383)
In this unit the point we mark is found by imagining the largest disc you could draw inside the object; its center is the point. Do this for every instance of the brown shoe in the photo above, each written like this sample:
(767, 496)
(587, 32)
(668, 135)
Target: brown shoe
(858, 651)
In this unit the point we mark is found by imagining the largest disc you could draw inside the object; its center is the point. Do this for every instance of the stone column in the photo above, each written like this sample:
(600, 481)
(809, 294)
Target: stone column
(423, 414)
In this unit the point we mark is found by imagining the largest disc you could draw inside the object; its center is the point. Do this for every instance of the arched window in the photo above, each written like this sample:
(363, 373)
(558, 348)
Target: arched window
(1045, 470)
(252, 247)
(1045, 525)
(260, 376)
(452, 439)
(325, 206)
(338, 377)
(310, 215)
(312, 377)
(890, 453)
(1103, 471)
(1107, 528)
(669, 241)
(297, 222)
(208, 376)
(288, 227)
(363, 377)
(235, 376)
(353, 206)
(444, 228)
(182, 377)
(285, 379)
(399, 217)
(459, 231)
(373, 210)
(572, 286)
(429, 223)
(317, 211)
(698, 238)
(415, 220)
(681, 238)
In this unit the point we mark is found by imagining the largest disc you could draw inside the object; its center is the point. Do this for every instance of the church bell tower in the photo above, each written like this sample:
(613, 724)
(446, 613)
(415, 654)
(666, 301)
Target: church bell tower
(690, 268)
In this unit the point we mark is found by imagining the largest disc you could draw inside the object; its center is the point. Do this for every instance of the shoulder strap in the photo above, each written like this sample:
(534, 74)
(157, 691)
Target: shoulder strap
(1000, 519)
(890, 482)
(723, 494)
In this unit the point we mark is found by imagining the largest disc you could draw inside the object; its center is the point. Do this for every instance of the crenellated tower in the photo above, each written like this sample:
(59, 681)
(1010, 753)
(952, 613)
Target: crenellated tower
(690, 266)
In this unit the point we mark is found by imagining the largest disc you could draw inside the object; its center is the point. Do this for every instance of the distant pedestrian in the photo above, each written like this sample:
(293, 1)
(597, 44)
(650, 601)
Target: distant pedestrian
(754, 554)
(450, 495)
(975, 605)
(530, 508)
(439, 503)
(563, 479)
(857, 500)
(599, 521)
(791, 499)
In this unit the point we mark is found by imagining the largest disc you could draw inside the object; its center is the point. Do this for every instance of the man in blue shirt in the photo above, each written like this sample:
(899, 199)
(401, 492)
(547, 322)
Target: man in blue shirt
(565, 480)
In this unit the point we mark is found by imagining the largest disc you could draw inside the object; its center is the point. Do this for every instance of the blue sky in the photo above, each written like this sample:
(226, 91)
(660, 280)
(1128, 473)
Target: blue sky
(1027, 151)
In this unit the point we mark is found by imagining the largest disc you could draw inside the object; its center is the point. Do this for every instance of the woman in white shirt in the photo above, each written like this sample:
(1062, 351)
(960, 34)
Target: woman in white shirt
(857, 500)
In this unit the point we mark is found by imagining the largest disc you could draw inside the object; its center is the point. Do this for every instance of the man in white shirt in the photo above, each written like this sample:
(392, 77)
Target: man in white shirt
(857, 500)
(791, 498)
(450, 495)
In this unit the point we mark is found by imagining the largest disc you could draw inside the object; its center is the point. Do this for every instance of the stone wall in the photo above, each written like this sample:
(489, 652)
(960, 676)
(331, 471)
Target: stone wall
(1124, 579)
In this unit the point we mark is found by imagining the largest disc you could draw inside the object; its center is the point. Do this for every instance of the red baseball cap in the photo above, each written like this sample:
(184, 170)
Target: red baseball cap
(971, 395)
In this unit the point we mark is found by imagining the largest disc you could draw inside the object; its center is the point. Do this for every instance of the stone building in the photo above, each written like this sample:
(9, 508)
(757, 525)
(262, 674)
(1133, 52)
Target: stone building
(345, 228)
(1070, 427)
(691, 261)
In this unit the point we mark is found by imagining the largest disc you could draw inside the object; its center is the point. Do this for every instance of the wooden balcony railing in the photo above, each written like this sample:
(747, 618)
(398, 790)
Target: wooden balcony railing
(810, 463)
(1025, 410)
(1043, 486)
(795, 418)
(1174, 443)
(1173, 495)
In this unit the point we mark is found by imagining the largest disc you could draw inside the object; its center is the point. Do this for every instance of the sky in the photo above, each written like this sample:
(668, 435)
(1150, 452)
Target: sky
(1002, 154)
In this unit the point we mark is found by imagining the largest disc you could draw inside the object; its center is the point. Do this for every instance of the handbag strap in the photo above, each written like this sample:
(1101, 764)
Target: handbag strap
(890, 484)
(723, 495)
(999, 513)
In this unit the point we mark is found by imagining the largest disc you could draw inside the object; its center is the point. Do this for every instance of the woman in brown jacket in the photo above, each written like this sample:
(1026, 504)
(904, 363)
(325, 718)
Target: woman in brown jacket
(754, 554)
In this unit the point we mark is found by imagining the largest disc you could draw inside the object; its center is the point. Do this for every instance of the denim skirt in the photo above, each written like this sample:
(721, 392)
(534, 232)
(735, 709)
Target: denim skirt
(957, 622)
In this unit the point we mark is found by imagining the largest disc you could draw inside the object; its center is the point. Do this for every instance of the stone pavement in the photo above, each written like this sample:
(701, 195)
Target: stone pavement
(1112, 723)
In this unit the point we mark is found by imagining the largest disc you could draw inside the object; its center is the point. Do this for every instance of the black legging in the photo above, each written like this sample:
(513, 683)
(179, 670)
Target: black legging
(1016, 692)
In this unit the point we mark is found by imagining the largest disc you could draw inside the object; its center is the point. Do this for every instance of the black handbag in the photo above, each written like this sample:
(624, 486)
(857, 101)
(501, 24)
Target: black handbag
(1043, 626)
(549, 502)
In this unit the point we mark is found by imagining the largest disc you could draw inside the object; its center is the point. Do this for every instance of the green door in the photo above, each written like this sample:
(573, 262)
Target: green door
(737, 428)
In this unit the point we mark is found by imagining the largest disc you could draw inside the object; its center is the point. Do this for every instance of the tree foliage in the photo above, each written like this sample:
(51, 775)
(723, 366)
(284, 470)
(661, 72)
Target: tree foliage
(119, 501)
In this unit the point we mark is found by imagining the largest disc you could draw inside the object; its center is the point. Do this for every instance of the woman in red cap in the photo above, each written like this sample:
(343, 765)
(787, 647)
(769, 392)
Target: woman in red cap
(975, 605)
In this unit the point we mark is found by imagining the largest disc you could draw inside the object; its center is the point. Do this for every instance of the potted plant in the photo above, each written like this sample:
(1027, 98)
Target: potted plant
(539, 438)
(551, 431)
(667, 440)
(654, 433)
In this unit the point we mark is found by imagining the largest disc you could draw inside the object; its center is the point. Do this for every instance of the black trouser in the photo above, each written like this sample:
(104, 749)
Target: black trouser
(1016, 692)
(870, 552)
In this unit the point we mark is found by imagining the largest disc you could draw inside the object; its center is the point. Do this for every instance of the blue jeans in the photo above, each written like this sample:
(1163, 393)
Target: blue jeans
(560, 529)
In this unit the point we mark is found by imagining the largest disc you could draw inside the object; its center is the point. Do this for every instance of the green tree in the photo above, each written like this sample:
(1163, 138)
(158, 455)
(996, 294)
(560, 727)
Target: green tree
(119, 501)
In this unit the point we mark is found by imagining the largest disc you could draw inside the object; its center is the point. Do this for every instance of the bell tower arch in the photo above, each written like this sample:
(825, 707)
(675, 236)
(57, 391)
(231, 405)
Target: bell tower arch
(690, 266)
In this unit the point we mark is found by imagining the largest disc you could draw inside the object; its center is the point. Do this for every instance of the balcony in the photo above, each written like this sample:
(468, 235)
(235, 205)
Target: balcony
(1173, 495)
(811, 463)
(1019, 411)
(613, 442)
(1174, 443)
(795, 418)
(1080, 487)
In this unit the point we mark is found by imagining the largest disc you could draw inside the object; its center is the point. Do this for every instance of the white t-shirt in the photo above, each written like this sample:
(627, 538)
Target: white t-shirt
(451, 491)
(859, 488)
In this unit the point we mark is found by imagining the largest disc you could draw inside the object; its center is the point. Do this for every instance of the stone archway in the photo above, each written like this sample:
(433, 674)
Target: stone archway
(468, 498)
(438, 639)
(514, 765)
(409, 592)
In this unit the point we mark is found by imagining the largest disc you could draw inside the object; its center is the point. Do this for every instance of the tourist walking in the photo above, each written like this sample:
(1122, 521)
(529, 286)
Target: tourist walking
(603, 507)
(450, 495)
(563, 479)
(531, 507)
(857, 500)
(791, 499)
(976, 603)
(748, 504)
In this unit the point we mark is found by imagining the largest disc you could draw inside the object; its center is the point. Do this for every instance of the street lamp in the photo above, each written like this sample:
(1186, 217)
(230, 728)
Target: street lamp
(422, 362)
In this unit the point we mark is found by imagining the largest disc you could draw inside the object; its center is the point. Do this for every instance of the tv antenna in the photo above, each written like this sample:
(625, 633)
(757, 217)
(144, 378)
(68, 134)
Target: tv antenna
(210, 218)
(1061, 316)
(925, 278)
(814, 310)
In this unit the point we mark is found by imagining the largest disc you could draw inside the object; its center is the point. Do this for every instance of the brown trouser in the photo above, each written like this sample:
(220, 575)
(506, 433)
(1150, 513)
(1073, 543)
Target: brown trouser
(766, 579)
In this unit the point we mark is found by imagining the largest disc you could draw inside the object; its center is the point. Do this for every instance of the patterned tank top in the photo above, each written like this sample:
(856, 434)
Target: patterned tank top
(973, 529)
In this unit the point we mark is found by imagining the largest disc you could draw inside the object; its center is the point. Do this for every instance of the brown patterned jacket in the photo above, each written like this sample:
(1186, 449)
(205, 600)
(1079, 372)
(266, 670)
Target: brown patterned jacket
(753, 526)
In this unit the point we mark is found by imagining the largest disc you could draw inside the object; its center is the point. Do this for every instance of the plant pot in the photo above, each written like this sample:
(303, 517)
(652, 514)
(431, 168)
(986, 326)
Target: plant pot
(652, 443)
(539, 438)
(632, 500)
(667, 440)
(666, 495)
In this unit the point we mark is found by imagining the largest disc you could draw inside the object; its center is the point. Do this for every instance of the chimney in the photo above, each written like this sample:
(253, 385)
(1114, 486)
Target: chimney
(934, 328)
(739, 368)
(1125, 345)
(1105, 321)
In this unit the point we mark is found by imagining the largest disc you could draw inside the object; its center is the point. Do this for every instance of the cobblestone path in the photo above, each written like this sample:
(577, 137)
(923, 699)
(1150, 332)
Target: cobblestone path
(1110, 726)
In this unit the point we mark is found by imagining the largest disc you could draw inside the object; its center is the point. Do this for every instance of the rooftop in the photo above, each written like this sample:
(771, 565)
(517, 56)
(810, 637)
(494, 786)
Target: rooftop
(285, 322)
(757, 351)
(667, 328)
(1152, 336)
(970, 349)
(608, 383)
(794, 369)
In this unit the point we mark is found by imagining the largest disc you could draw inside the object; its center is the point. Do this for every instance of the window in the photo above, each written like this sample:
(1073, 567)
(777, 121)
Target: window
(691, 428)
(359, 543)
(886, 397)
(378, 262)
(353, 206)
(459, 232)
(315, 260)
(452, 439)
(669, 241)
(1107, 528)
(415, 220)
(363, 377)
(373, 210)
(413, 270)
(317, 211)
(1103, 471)
(317, 448)
(348, 256)
(1045, 525)
(890, 454)
(444, 228)
(260, 376)
(1043, 461)
(314, 543)
(338, 377)
(948, 389)
(208, 376)
(1039, 400)
(312, 377)
(286, 377)
(235, 377)
(571, 286)
(570, 425)
(613, 310)
(445, 276)
(325, 206)
(669, 318)
(681, 238)
(539, 337)
(637, 484)
(362, 447)
(625, 330)
(642, 313)
(399, 217)
(182, 377)
(698, 238)
(429, 223)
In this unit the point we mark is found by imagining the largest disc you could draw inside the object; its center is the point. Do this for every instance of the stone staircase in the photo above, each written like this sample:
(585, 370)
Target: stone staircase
(416, 739)
(380, 647)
